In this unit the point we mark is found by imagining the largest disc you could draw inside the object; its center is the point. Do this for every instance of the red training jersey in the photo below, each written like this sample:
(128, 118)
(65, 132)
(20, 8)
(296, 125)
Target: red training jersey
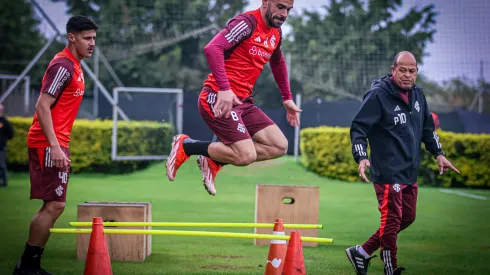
(245, 45)
(64, 80)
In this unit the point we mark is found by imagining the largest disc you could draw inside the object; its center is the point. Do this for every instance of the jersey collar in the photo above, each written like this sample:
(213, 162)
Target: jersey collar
(70, 55)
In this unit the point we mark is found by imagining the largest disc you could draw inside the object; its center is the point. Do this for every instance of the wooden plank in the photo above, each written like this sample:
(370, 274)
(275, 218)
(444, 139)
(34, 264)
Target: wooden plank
(293, 204)
(121, 247)
(149, 218)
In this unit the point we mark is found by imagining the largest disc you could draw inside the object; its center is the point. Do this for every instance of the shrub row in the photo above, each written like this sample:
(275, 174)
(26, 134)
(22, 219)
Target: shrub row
(91, 143)
(327, 152)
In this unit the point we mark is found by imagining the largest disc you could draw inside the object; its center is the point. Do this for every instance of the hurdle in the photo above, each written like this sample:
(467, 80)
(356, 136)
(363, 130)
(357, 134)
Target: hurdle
(189, 233)
(198, 224)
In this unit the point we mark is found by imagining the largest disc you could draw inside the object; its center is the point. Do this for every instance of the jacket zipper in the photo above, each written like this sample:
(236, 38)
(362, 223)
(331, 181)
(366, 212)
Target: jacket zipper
(412, 133)
(409, 117)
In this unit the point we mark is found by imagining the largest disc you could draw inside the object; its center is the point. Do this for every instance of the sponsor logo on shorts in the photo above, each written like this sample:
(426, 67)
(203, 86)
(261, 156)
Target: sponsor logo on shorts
(241, 128)
(59, 191)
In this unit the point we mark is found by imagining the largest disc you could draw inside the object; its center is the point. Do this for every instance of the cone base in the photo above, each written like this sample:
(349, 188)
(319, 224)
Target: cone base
(98, 260)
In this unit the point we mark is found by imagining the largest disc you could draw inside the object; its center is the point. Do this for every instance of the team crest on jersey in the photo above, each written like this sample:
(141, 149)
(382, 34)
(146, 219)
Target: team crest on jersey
(81, 78)
(273, 41)
(417, 106)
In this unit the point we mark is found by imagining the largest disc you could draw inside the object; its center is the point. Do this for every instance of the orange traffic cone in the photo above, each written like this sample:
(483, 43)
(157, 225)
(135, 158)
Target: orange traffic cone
(98, 261)
(277, 251)
(294, 263)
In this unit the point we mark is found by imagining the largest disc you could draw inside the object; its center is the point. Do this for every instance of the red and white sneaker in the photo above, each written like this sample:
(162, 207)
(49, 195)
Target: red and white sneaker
(209, 169)
(177, 156)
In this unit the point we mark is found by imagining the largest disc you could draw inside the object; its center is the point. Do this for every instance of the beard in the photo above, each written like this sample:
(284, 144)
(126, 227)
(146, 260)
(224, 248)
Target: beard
(274, 21)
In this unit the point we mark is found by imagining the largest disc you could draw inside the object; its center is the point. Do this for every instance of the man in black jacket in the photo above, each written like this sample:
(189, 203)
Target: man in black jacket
(6, 133)
(395, 118)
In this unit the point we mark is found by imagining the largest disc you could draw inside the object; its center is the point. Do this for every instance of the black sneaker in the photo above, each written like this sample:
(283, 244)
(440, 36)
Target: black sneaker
(359, 262)
(398, 271)
(30, 271)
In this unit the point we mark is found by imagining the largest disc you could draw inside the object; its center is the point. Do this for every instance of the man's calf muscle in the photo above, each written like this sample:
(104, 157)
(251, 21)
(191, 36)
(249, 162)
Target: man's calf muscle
(240, 153)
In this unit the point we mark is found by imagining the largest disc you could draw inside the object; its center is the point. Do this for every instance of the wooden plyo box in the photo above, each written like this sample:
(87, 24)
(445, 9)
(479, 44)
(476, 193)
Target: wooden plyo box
(122, 247)
(293, 204)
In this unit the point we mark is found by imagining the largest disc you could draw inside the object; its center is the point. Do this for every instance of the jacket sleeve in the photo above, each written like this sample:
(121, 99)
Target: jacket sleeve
(368, 115)
(429, 135)
(10, 130)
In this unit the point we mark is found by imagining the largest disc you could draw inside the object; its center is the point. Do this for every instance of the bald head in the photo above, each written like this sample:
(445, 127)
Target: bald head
(404, 70)
(404, 56)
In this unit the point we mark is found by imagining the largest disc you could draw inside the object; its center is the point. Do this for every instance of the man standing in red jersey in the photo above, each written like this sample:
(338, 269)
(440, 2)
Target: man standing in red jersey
(48, 137)
(236, 57)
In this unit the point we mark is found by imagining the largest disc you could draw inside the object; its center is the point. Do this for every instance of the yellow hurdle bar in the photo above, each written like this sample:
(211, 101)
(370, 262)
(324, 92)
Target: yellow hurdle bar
(189, 233)
(201, 224)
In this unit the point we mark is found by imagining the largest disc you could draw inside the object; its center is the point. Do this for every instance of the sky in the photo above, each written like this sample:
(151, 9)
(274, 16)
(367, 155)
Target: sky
(461, 42)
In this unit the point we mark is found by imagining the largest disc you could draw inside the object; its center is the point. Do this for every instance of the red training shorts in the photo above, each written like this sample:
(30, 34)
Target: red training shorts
(243, 123)
(48, 183)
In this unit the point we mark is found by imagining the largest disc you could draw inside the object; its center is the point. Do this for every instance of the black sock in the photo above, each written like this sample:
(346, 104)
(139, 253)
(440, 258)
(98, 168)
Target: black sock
(219, 162)
(196, 147)
(31, 257)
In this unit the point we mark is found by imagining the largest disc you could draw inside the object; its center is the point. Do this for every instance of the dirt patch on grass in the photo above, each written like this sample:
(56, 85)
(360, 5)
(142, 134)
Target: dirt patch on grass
(268, 163)
(222, 266)
(225, 267)
(220, 256)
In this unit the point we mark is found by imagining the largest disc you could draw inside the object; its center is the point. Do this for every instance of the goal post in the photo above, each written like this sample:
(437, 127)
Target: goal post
(179, 93)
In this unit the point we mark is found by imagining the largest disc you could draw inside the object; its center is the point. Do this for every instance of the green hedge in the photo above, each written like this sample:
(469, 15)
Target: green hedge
(327, 152)
(91, 141)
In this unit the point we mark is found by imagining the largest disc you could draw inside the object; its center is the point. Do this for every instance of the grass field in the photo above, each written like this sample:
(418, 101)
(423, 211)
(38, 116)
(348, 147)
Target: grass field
(450, 236)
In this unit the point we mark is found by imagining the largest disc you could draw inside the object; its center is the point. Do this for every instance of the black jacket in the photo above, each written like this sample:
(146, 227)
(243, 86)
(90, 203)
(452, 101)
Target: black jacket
(6, 132)
(395, 131)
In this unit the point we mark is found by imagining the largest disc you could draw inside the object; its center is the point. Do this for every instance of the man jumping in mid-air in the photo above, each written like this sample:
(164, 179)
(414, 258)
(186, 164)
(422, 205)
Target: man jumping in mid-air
(236, 57)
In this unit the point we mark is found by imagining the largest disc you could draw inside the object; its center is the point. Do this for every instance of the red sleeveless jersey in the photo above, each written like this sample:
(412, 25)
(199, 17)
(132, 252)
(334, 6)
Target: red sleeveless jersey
(63, 80)
(252, 44)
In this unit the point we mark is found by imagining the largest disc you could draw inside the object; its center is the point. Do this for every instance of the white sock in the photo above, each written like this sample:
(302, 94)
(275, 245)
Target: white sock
(362, 251)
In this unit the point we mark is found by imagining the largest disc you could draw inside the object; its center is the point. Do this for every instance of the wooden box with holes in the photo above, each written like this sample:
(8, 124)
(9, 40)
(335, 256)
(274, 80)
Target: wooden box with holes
(121, 247)
(293, 204)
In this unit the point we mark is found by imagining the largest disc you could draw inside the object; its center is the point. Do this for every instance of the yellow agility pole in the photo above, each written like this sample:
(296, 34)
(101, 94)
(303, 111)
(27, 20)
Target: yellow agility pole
(189, 233)
(201, 224)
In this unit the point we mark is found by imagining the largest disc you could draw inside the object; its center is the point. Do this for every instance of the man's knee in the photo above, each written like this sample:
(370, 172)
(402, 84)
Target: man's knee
(281, 147)
(54, 208)
(406, 222)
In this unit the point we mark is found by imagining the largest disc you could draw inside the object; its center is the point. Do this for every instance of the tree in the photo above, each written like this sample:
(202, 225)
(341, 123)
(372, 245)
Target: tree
(23, 40)
(128, 29)
(20, 34)
(455, 93)
(340, 53)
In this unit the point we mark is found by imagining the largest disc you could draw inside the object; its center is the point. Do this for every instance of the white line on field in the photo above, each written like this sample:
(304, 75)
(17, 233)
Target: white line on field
(463, 194)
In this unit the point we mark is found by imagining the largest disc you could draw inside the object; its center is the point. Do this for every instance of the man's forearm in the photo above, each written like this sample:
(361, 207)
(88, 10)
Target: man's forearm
(46, 122)
(280, 73)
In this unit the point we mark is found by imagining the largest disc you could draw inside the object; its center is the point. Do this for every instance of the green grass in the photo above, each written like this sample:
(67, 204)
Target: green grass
(450, 236)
